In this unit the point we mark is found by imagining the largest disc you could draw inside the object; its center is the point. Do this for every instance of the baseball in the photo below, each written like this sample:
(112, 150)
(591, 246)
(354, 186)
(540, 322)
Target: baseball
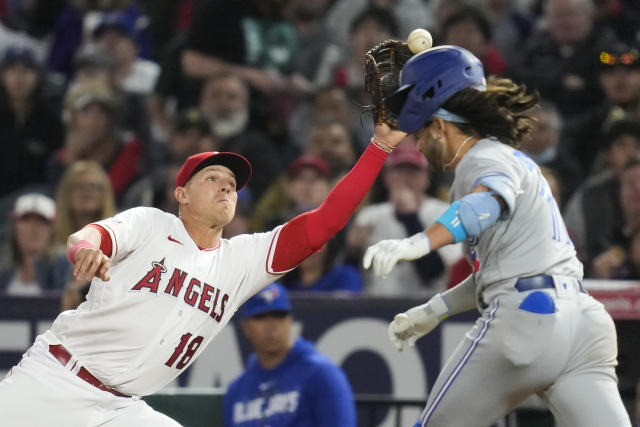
(419, 40)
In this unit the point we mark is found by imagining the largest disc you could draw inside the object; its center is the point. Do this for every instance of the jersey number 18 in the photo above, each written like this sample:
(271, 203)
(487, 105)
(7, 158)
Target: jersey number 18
(180, 348)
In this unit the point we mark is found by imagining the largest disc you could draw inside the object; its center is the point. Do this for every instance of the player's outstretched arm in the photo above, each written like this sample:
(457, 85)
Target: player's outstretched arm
(83, 251)
(309, 231)
(469, 216)
(422, 319)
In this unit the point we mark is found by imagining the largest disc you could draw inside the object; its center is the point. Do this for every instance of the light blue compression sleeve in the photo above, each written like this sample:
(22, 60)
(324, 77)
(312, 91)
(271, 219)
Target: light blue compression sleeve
(471, 215)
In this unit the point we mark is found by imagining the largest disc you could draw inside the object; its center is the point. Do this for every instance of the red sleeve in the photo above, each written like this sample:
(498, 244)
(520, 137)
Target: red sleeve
(105, 239)
(307, 232)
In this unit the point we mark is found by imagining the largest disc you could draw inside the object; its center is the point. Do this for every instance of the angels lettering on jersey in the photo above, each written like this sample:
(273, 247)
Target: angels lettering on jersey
(198, 294)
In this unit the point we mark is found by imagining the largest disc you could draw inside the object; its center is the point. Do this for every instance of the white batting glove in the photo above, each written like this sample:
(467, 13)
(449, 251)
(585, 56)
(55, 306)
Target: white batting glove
(386, 253)
(417, 322)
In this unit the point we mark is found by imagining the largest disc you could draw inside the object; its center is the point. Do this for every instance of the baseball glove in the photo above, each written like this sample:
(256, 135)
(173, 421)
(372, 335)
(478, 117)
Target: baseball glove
(382, 77)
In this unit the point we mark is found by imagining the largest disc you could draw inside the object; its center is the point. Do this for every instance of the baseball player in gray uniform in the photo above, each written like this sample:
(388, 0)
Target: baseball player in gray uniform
(539, 332)
(163, 287)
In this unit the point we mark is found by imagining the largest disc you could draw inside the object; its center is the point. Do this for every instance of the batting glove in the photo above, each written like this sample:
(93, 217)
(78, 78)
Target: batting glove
(386, 253)
(417, 322)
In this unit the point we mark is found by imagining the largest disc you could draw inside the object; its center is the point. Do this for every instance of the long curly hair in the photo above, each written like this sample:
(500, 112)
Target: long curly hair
(503, 110)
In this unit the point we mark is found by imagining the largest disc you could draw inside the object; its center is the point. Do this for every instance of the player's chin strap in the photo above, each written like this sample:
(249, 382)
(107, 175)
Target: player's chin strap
(470, 215)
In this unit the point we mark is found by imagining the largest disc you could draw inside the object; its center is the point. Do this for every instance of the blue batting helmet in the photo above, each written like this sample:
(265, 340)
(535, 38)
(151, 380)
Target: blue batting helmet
(428, 79)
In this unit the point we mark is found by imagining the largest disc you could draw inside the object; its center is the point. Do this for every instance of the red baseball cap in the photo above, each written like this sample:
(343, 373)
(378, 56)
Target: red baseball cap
(240, 166)
(406, 153)
(310, 162)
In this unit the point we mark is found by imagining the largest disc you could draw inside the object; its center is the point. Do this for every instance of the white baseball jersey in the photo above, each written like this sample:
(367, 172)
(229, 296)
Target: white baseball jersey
(162, 306)
(529, 240)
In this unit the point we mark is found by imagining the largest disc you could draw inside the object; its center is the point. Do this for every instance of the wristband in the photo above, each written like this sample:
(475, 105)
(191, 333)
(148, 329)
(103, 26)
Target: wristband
(439, 306)
(71, 254)
(381, 144)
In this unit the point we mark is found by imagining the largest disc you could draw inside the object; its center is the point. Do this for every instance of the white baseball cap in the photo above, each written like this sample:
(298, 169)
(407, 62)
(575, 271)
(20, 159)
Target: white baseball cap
(34, 203)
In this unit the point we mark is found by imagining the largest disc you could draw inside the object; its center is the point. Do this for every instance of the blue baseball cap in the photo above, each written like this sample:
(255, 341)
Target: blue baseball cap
(19, 55)
(272, 298)
(127, 24)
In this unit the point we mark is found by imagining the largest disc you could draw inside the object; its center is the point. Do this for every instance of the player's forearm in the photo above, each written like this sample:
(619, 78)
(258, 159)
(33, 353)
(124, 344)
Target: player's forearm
(307, 232)
(439, 236)
(198, 65)
(89, 234)
(325, 221)
(461, 297)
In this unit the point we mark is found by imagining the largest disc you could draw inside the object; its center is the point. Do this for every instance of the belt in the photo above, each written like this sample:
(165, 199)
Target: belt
(542, 281)
(63, 356)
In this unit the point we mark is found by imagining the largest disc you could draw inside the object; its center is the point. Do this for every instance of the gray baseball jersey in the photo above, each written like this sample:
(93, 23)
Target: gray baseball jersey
(556, 342)
(530, 238)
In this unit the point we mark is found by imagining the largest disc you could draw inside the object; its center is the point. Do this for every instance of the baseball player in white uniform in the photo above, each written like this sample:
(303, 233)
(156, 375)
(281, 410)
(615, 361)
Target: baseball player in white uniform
(163, 287)
(539, 332)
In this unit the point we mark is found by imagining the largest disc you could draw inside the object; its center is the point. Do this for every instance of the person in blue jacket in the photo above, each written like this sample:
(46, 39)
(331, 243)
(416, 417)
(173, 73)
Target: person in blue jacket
(285, 383)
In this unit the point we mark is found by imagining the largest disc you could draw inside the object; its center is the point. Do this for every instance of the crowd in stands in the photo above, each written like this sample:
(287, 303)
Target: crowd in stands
(102, 100)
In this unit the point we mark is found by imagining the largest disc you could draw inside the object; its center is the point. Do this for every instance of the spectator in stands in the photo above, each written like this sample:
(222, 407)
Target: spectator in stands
(468, 27)
(410, 14)
(558, 60)
(622, 16)
(616, 241)
(264, 54)
(93, 63)
(225, 102)
(619, 78)
(221, 40)
(594, 209)
(91, 115)
(174, 91)
(546, 149)
(329, 140)
(306, 186)
(32, 265)
(322, 272)
(408, 210)
(620, 263)
(511, 25)
(368, 28)
(315, 390)
(30, 130)
(317, 51)
(118, 33)
(327, 104)
(191, 134)
(78, 19)
(83, 196)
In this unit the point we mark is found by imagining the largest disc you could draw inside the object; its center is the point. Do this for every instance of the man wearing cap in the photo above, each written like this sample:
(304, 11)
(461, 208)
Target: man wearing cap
(119, 34)
(91, 112)
(162, 288)
(284, 383)
(618, 67)
(408, 210)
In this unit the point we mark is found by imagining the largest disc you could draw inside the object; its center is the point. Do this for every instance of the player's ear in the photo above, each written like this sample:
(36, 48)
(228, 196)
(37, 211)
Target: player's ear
(181, 195)
(439, 124)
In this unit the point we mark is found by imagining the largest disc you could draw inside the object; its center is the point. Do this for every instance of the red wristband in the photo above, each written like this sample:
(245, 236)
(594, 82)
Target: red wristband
(75, 248)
